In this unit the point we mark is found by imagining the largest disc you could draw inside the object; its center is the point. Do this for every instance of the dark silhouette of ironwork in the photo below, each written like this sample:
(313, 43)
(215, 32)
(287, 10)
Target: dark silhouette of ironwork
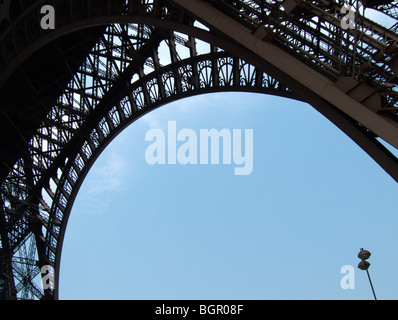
(65, 93)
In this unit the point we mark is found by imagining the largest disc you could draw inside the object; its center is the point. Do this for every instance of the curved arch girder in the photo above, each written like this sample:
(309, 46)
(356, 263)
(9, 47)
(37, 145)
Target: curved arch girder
(177, 82)
(122, 79)
(87, 117)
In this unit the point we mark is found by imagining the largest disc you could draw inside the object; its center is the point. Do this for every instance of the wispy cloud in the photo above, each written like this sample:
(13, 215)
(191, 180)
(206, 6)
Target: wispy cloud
(108, 175)
(106, 178)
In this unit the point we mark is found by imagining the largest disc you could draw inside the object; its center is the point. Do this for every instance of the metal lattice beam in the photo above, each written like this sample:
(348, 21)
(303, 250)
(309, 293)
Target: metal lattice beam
(144, 55)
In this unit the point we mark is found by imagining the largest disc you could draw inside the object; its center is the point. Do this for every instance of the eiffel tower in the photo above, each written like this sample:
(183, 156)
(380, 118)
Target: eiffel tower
(74, 74)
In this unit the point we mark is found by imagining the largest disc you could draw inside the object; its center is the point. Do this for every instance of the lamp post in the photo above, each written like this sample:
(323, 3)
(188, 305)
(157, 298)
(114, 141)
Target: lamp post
(364, 265)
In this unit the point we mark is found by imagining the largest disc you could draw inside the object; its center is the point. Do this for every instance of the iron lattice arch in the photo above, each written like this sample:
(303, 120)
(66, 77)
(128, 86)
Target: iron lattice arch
(139, 55)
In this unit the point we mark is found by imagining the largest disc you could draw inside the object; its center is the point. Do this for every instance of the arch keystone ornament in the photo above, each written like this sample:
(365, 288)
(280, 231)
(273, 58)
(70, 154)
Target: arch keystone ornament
(108, 63)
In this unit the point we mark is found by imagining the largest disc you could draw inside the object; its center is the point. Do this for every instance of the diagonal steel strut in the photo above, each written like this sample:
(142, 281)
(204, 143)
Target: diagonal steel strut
(292, 67)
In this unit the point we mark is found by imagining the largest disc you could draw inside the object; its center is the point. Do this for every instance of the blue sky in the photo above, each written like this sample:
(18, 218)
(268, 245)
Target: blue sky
(314, 198)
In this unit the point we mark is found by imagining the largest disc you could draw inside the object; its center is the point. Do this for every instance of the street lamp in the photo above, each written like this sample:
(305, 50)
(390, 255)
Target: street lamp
(364, 265)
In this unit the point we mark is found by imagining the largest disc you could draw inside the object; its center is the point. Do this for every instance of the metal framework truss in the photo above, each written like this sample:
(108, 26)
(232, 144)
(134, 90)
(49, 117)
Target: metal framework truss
(149, 53)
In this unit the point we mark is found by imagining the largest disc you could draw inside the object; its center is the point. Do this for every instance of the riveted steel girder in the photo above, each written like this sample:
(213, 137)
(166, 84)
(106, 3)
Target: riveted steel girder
(111, 57)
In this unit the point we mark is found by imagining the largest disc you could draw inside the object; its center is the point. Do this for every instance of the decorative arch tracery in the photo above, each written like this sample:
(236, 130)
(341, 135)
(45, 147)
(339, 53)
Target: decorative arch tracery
(122, 78)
